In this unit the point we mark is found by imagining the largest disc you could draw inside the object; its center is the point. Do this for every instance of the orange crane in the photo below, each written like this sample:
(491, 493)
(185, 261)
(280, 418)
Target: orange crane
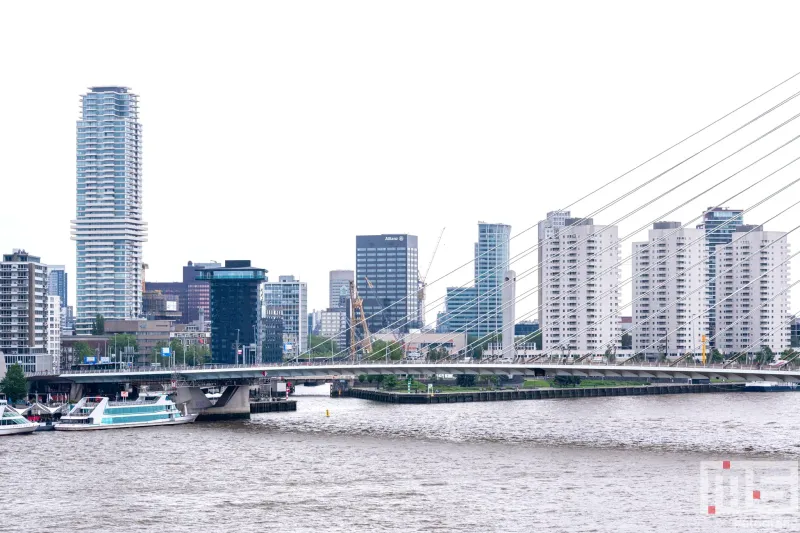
(358, 319)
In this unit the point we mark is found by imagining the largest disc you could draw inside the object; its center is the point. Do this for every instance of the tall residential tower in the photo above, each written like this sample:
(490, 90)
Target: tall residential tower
(108, 228)
(719, 224)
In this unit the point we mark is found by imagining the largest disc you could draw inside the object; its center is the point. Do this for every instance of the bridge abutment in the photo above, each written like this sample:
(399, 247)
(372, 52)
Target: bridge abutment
(233, 404)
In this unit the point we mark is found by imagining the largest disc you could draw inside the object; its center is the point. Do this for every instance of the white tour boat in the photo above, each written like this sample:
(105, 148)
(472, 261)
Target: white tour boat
(100, 413)
(13, 423)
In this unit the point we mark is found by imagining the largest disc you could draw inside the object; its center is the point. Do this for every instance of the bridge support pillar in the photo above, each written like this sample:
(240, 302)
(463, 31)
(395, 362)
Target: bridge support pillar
(75, 392)
(340, 386)
(233, 404)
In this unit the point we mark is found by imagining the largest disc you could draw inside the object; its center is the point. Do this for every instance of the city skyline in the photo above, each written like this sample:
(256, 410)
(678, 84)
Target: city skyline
(179, 189)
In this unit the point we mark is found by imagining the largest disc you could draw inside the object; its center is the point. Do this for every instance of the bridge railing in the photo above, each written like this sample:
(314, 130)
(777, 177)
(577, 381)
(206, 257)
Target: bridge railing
(688, 365)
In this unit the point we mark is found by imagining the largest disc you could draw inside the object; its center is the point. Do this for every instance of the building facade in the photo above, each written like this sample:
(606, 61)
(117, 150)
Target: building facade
(192, 294)
(669, 291)
(150, 336)
(333, 325)
(159, 306)
(547, 229)
(57, 284)
(108, 229)
(492, 255)
(288, 297)
(580, 289)
(753, 292)
(338, 286)
(387, 274)
(719, 223)
(24, 311)
(460, 310)
(235, 301)
(478, 310)
(54, 331)
(271, 336)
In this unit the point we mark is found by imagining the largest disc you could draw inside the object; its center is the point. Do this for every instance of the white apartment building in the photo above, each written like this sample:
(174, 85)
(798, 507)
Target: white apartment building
(54, 330)
(108, 229)
(288, 297)
(333, 325)
(580, 290)
(670, 273)
(758, 314)
(24, 311)
(547, 228)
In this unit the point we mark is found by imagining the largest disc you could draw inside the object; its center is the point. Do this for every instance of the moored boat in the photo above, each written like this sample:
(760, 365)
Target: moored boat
(13, 423)
(101, 413)
(770, 386)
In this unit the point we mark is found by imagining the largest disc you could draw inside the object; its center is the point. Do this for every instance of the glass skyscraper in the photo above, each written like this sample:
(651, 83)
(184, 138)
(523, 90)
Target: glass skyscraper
(387, 273)
(57, 284)
(235, 291)
(719, 224)
(108, 229)
(478, 310)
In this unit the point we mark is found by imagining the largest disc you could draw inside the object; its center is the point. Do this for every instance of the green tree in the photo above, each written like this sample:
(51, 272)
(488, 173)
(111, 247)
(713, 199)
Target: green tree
(626, 342)
(437, 354)
(534, 338)
(567, 381)
(390, 382)
(14, 385)
(380, 347)
(610, 354)
(362, 378)
(716, 356)
(465, 380)
(765, 357)
(321, 346)
(176, 347)
(379, 379)
(197, 354)
(99, 325)
(122, 343)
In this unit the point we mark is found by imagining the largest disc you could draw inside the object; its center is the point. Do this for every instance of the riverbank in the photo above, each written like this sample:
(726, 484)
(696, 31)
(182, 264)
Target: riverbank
(535, 394)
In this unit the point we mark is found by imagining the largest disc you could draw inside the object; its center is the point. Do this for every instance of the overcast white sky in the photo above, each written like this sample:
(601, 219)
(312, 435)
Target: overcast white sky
(277, 131)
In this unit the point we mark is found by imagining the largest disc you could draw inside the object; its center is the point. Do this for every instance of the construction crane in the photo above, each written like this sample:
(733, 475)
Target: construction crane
(422, 282)
(358, 319)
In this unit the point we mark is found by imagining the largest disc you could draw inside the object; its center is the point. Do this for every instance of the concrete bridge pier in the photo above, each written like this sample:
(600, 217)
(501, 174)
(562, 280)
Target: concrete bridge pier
(75, 392)
(233, 404)
(340, 386)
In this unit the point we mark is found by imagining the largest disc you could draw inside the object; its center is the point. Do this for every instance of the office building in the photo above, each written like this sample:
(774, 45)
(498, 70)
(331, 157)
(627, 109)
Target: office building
(460, 310)
(525, 328)
(54, 330)
(159, 306)
(108, 229)
(491, 263)
(478, 310)
(419, 344)
(333, 325)
(57, 285)
(235, 305)
(24, 310)
(753, 297)
(271, 336)
(151, 336)
(339, 285)
(669, 296)
(580, 288)
(67, 321)
(192, 294)
(288, 297)
(387, 273)
(719, 223)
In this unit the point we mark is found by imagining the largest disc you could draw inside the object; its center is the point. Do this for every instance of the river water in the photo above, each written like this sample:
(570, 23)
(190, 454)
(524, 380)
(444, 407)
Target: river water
(624, 464)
